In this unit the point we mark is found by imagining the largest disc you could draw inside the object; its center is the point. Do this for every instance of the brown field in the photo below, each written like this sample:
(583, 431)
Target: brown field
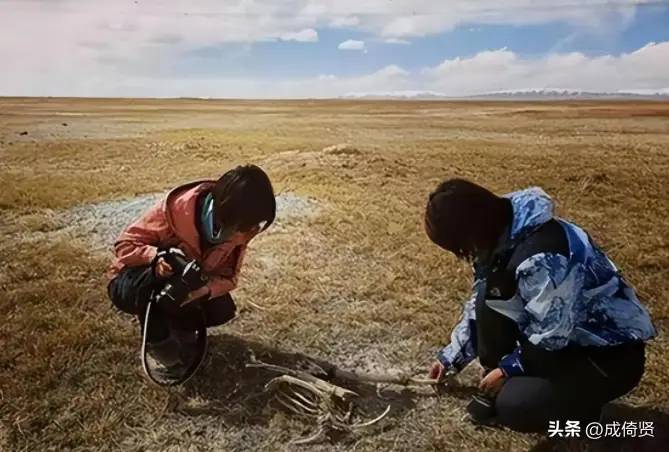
(349, 277)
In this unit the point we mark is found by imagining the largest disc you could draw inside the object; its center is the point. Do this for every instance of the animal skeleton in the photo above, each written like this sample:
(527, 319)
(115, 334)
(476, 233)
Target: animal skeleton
(332, 406)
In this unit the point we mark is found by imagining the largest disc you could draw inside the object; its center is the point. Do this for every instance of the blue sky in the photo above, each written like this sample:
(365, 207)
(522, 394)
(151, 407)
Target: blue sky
(309, 48)
(295, 59)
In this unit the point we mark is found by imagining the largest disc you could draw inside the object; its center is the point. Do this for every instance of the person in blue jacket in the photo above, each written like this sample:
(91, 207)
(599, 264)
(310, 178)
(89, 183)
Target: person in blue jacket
(555, 326)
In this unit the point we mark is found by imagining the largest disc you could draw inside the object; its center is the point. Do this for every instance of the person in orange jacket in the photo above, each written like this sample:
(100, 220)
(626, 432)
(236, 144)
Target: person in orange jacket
(210, 222)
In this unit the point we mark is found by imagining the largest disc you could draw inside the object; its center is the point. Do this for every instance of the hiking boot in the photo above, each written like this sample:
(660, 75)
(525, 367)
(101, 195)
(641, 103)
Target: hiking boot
(188, 345)
(165, 360)
(481, 409)
(165, 352)
(175, 359)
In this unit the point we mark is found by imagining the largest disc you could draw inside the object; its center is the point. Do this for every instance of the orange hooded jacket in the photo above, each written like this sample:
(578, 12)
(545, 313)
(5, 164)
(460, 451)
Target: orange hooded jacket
(172, 222)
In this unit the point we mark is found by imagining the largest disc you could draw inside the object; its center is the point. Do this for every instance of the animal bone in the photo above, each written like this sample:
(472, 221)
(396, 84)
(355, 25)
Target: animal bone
(308, 396)
(402, 380)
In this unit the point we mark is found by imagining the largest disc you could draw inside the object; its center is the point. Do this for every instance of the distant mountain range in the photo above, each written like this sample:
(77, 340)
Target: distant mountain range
(524, 94)
(409, 95)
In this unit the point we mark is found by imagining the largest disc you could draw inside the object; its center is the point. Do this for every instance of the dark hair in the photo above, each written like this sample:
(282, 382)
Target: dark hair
(244, 196)
(464, 217)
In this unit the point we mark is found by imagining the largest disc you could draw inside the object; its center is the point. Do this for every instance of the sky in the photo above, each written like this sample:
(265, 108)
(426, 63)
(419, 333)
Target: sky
(330, 48)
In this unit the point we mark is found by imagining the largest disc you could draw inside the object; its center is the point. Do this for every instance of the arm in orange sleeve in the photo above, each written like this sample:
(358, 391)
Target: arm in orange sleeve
(220, 285)
(138, 243)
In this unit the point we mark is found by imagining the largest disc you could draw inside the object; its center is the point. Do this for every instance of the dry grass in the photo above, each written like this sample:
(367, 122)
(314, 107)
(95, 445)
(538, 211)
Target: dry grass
(358, 285)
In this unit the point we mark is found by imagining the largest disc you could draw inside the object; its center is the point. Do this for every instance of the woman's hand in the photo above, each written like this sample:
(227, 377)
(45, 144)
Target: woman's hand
(163, 269)
(437, 371)
(493, 382)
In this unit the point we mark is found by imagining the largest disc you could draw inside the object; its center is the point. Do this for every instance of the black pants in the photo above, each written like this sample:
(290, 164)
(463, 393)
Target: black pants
(569, 384)
(130, 292)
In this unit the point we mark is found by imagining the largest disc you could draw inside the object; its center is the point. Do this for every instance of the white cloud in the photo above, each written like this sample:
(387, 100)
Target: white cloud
(344, 22)
(646, 68)
(306, 35)
(392, 77)
(351, 44)
(393, 71)
(417, 18)
(96, 47)
(396, 41)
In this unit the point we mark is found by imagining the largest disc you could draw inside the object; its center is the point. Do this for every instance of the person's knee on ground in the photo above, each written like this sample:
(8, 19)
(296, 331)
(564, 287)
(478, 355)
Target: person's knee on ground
(528, 404)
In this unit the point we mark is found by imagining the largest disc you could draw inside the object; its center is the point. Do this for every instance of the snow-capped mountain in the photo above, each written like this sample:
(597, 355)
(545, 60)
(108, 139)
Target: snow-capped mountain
(559, 93)
(519, 94)
(413, 95)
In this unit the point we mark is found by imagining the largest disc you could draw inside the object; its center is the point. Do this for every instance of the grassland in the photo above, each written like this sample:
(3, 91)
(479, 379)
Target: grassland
(356, 283)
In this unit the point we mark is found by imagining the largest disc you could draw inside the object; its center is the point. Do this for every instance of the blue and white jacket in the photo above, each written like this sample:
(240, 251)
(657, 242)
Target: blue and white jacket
(582, 300)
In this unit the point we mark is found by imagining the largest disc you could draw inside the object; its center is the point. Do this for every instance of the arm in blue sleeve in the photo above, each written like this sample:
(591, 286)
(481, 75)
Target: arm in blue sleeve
(549, 289)
(462, 350)
(511, 364)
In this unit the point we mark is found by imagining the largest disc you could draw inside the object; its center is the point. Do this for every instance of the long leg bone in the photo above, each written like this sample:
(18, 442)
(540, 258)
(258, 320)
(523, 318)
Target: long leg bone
(320, 433)
(402, 380)
(371, 422)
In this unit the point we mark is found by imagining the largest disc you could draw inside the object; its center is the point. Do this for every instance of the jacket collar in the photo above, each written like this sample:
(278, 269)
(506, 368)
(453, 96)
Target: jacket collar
(180, 208)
